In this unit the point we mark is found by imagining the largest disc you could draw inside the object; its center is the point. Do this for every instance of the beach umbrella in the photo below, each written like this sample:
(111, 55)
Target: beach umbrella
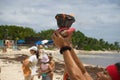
(20, 41)
(44, 41)
(38, 42)
(50, 41)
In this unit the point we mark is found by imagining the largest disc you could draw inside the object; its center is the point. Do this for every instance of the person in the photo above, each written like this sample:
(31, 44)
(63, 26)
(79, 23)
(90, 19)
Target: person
(30, 64)
(52, 64)
(45, 68)
(41, 51)
(4, 49)
(73, 66)
(112, 72)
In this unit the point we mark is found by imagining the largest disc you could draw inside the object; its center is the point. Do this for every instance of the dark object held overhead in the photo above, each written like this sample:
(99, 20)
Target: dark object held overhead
(64, 20)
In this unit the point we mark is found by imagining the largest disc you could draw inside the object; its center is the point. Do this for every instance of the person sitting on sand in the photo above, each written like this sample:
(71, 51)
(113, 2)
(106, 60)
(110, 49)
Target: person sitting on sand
(30, 64)
(45, 68)
(73, 66)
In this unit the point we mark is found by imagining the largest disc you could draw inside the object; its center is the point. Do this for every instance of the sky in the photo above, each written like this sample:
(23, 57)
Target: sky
(98, 19)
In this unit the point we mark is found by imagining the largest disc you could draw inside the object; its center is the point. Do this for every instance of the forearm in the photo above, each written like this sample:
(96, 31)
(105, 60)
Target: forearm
(80, 65)
(45, 71)
(52, 66)
(74, 71)
(77, 60)
(26, 62)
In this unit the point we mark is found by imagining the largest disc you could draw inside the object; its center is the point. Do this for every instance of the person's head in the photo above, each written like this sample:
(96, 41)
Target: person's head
(50, 56)
(34, 50)
(41, 47)
(111, 73)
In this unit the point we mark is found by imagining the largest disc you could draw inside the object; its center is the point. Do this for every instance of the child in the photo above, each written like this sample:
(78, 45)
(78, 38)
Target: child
(45, 68)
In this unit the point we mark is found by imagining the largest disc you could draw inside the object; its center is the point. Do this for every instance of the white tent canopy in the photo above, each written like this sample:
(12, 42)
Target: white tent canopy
(44, 41)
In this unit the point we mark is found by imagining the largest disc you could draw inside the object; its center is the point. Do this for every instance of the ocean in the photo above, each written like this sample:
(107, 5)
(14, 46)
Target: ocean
(102, 60)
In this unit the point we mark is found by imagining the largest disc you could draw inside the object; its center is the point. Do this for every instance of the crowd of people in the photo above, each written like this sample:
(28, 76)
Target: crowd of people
(74, 68)
(44, 70)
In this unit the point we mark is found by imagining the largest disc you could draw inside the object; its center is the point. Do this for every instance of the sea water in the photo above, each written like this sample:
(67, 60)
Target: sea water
(100, 59)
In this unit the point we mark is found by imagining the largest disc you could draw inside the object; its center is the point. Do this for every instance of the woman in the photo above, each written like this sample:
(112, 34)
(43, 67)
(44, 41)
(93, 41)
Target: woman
(30, 64)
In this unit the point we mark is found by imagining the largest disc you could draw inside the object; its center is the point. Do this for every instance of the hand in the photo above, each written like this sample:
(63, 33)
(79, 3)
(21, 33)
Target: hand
(39, 75)
(59, 41)
(103, 76)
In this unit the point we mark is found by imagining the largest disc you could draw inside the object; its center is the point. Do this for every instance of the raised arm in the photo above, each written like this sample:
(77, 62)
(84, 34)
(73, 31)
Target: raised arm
(71, 67)
(74, 67)
(80, 65)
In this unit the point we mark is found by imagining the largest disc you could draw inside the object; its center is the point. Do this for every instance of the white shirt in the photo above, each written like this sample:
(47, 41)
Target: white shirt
(33, 66)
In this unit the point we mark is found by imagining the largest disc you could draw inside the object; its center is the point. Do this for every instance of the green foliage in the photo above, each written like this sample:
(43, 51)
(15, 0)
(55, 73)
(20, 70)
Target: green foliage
(15, 32)
(79, 40)
(46, 34)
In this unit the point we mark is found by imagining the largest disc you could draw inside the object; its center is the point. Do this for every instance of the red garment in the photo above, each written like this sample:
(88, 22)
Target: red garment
(65, 77)
(113, 72)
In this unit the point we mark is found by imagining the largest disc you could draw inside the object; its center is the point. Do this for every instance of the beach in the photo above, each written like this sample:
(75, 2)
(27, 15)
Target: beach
(11, 66)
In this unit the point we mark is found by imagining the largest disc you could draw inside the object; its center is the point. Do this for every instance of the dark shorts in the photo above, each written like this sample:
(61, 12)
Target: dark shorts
(45, 77)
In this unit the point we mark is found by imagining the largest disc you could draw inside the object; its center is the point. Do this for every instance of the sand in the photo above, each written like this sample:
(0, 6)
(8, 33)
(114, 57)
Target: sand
(10, 65)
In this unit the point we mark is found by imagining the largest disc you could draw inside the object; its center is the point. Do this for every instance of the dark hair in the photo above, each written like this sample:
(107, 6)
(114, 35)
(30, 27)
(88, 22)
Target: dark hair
(118, 66)
(37, 54)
